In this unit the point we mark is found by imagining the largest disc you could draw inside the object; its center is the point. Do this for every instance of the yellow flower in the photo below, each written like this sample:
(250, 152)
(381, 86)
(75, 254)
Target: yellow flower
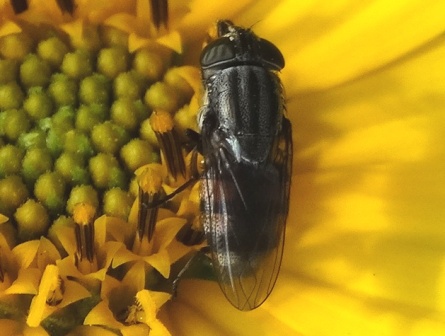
(364, 240)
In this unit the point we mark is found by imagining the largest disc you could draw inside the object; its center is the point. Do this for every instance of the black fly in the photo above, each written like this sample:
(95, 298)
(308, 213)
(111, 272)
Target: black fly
(247, 147)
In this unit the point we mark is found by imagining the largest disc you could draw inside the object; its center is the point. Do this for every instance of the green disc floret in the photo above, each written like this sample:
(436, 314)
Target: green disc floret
(63, 89)
(8, 70)
(52, 50)
(117, 203)
(38, 104)
(11, 96)
(10, 160)
(54, 142)
(137, 153)
(73, 169)
(34, 138)
(34, 71)
(13, 193)
(129, 85)
(113, 37)
(124, 112)
(106, 172)
(79, 143)
(36, 162)
(50, 190)
(109, 137)
(88, 116)
(13, 123)
(77, 64)
(32, 220)
(147, 133)
(174, 78)
(95, 89)
(112, 61)
(161, 96)
(82, 194)
(149, 64)
(63, 120)
(16, 46)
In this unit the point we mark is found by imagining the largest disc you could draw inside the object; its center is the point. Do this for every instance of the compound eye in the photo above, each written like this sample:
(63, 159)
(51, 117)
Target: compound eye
(218, 51)
(271, 54)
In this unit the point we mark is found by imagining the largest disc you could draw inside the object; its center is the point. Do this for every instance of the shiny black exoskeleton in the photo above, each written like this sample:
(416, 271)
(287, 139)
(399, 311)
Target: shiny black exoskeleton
(247, 148)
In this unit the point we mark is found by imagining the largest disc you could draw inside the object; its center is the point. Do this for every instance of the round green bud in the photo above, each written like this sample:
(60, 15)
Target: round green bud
(63, 89)
(77, 64)
(52, 50)
(71, 167)
(112, 61)
(183, 120)
(108, 137)
(32, 139)
(149, 64)
(63, 120)
(16, 46)
(136, 153)
(117, 203)
(11, 96)
(78, 143)
(10, 160)
(88, 116)
(113, 37)
(38, 104)
(14, 123)
(36, 162)
(34, 71)
(54, 142)
(134, 187)
(174, 78)
(124, 113)
(106, 172)
(8, 70)
(147, 133)
(95, 89)
(129, 85)
(50, 190)
(13, 193)
(82, 194)
(142, 110)
(161, 96)
(32, 220)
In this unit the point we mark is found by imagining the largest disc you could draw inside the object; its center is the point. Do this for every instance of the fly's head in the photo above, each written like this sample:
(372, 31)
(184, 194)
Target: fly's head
(236, 46)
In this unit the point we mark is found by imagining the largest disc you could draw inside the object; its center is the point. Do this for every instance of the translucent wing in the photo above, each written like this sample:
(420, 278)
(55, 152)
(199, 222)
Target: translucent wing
(244, 210)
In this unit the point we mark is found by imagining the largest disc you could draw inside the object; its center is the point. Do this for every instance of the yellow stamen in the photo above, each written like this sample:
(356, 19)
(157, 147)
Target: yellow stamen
(161, 121)
(83, 213)
(83, 216)
(150, 183)
(168, 139)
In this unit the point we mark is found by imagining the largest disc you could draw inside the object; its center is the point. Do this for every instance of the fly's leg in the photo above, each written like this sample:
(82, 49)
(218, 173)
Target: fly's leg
(198, 265)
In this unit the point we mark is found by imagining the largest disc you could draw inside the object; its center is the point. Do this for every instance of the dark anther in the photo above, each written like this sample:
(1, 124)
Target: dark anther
(159, 10)
(66, 6)
(19, 6)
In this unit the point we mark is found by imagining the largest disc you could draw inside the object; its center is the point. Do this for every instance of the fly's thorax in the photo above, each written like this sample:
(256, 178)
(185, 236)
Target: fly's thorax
(243, 111)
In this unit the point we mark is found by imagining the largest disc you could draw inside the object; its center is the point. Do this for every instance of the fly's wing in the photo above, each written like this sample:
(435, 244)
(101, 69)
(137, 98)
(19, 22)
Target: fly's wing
(244, 210)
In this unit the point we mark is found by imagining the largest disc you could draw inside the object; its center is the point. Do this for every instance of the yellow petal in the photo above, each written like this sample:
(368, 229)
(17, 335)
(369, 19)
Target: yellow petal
(37, 310)
(195, 313)
(91, 331)
(27, 282)
(3, 219)
(26, 252)
(102, 315)
(160, 261)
